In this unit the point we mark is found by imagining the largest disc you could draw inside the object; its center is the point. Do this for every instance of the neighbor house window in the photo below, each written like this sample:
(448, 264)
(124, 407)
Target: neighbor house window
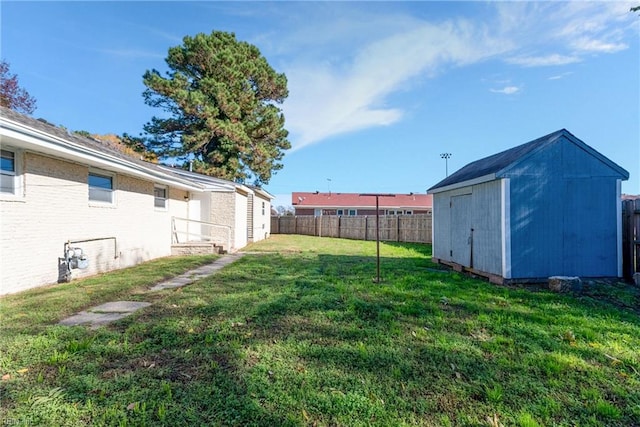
(352, 212)
(340, 212)
(160, 197)
(100, 187)
(263, 207)
(8, 172)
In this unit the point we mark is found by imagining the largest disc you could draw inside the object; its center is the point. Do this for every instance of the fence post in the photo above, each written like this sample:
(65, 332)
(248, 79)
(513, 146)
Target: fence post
(635, 217)
(397, 228)
(630, 238)
(366, 228)
(627, 245)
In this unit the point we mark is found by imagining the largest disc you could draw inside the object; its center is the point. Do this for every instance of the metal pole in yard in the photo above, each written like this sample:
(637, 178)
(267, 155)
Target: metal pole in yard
(377, 241)
(376, 195)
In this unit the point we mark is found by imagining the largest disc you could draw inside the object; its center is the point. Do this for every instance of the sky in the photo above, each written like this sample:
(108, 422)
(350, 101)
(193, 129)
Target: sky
(377, 90)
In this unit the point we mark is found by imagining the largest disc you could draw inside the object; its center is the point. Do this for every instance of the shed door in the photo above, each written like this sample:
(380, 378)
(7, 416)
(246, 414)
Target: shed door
(461, 229)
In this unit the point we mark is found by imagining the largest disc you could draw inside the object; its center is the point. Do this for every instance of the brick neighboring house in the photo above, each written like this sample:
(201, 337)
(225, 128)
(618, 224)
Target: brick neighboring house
(349, 204)
(61, 191)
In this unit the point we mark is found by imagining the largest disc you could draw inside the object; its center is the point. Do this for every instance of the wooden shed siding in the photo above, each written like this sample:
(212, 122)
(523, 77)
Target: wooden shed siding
(441, 226)
(590, 232)
(536, 226)
(487, 230)
(563, 215)
(505, 226)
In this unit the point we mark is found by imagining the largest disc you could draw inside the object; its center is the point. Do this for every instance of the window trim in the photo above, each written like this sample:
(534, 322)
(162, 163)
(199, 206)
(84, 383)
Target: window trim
(165, 198)
(16, 174)
(103, 174)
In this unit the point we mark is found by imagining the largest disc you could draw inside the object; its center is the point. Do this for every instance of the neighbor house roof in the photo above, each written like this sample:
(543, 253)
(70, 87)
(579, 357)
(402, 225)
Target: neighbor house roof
(490, 168)
(354, 200)
(630, 196)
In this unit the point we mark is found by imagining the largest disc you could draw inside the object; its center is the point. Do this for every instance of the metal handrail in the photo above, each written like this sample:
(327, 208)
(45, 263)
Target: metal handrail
(211, 224)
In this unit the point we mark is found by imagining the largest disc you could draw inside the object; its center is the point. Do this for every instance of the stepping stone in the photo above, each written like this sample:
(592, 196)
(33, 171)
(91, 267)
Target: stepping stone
(119, 307)
(105, 313)
(116, 310)
(176, 282)
(196, 274)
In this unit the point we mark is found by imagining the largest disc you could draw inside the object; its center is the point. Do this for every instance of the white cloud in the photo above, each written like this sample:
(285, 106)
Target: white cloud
(544, 61)
(330, 100)
(507, 90)
(579, 28)
(585, 44)
(560, 76)
(349, 62)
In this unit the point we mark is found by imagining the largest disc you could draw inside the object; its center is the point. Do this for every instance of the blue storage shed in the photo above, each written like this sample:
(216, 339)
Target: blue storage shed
(550, 207)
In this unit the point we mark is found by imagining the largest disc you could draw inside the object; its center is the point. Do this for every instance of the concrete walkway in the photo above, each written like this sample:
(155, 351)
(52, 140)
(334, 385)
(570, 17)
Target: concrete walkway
(116, 310)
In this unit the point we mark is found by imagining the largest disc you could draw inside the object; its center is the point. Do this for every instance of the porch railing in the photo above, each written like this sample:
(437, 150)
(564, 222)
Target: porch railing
(188, 234)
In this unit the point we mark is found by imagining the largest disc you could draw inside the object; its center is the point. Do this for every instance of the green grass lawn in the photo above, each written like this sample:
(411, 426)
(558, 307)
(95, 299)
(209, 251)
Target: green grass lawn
(300, 335)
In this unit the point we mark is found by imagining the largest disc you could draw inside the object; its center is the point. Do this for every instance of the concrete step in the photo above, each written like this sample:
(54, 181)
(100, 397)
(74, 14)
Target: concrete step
(196, 248)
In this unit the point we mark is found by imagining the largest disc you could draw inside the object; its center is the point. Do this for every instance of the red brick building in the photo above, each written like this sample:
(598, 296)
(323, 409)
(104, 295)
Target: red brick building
(349, 204)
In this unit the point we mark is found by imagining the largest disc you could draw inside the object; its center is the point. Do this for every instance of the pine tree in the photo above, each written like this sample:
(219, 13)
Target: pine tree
(221, 96)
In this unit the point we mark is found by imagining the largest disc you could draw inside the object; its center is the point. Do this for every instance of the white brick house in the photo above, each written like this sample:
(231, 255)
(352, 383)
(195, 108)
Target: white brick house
(58, 188)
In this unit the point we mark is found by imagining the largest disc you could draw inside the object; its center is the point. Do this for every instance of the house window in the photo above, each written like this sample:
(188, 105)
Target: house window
(100, 187)
(340, 212)
(8, 172)
(263, 207)
(408, 212)
(352, 212)
(160, 197)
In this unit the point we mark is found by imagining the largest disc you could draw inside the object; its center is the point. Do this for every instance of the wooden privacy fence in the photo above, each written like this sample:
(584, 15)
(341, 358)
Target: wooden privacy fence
(630, 238)
(395, 228)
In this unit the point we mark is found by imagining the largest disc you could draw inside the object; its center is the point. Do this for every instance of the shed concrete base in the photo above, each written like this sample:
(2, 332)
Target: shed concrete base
(565, 284)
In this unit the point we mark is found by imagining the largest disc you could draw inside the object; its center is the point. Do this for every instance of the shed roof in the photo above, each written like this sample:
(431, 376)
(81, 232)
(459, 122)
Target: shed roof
(490, 167)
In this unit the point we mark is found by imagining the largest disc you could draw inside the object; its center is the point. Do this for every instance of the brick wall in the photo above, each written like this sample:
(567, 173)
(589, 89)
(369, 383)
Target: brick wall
(223, 213)
(55, 208)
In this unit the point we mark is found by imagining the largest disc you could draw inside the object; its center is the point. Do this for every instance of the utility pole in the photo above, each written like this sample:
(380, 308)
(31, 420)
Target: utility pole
(446, 157)
(377, 195)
